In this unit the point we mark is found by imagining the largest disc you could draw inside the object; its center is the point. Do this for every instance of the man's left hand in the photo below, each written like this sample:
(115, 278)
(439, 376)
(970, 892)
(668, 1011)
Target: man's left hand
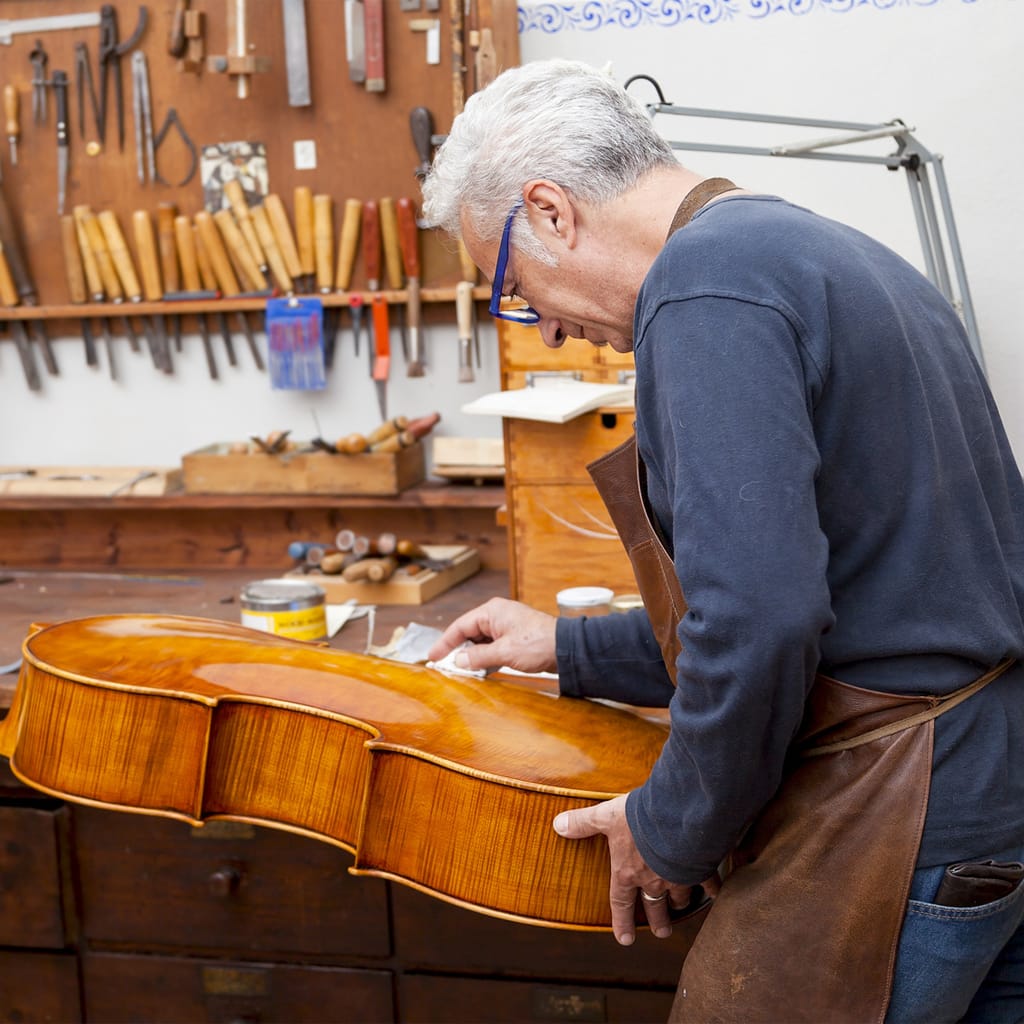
(631, 878)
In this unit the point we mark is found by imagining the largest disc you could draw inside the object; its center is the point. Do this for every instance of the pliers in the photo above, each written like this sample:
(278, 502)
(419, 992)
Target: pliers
(111, 50)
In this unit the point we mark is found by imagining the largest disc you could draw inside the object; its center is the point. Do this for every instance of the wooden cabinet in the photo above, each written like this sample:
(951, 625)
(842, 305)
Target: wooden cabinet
(559, 533)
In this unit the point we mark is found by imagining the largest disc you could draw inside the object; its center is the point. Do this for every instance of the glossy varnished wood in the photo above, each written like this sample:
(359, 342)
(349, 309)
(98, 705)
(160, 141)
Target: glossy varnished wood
(447, 784)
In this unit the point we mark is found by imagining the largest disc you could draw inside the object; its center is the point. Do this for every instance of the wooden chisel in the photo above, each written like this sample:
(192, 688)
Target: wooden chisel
(209, 279)
(304, 235)
(76, 283)
(348, 242)
(376, 74)
(323, 259)
(94, 285)
(9, 297)
(226, 281)
(168, 249)
(284, 235)
(393, 262)
(152, 287)
(192, 280)
(464, 318)
(252, 278)
(371, 256)
(409, 236)
(275, 258)
(381, 352)
(112, 251)
(236, 196)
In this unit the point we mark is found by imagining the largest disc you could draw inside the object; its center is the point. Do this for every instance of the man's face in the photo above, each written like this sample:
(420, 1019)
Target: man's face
(577, 298)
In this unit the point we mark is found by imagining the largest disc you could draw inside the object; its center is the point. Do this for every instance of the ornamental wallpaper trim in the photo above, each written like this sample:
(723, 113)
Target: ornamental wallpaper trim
(590, 15)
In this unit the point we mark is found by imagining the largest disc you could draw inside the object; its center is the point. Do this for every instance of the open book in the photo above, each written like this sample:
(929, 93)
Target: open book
(552, 401)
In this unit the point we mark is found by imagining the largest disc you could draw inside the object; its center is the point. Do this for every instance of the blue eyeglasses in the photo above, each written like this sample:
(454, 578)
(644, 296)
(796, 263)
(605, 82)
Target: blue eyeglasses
(522, 314)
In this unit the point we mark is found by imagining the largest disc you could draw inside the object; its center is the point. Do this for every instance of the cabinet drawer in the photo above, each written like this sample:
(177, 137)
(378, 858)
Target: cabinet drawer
(562, 536)
(142, 989)
(153, 882)
(39, 987)
(424, 999)
(522, 348)
(430, 935)
(31, 898)
(559, 452)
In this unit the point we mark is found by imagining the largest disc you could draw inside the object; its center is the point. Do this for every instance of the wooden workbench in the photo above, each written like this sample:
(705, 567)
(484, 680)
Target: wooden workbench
(110, 917)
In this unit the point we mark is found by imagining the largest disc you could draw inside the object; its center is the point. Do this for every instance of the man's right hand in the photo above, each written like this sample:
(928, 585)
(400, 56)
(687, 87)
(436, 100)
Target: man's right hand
(503, 634)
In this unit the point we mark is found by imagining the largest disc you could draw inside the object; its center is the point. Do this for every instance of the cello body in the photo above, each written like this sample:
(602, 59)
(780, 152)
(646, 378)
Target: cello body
(446, 784)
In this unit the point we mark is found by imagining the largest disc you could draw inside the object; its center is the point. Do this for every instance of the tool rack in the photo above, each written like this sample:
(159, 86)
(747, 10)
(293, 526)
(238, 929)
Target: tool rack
(936, 236)
(362, 139)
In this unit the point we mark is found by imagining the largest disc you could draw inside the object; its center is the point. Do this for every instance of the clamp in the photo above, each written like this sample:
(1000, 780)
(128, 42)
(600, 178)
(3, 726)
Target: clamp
(39, 60)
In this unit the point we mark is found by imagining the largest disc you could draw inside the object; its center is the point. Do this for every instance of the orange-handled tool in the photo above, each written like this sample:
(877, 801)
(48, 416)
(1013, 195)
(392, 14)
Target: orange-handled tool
(381, 352)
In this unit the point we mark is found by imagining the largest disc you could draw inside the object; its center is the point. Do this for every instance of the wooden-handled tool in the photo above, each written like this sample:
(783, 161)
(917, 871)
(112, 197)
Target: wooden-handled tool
(93, 280)
(9, 297)
(284, 236)
(236, 197)
(152, 287)
(210, 283)
(110, 286)
(192, 279)
(12, 120)
(371, 244)
(304, 234)
(168, 245)
(234, 240)
(381, 351)
(464, 319)
(213, 245)
(391, 244)
(408, 234)
(275, 258)
(376, 72)
(8, 292)
(348, 244)
(75, 275)
(117, 247)
(323, 242)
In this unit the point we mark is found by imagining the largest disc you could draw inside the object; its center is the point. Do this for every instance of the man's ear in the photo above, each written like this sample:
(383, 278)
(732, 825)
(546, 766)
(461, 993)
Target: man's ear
(550, 211)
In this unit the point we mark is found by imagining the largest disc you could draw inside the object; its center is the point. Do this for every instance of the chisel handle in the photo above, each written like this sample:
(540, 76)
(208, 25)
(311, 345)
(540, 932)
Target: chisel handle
(371, 244)
(167, 240)
(236, 196)
(304, 229)
(409, 234)
(227, 283)
(118, 249)
(466, 265)
(149, 261)
(15, 257)
(389, 237)
(381, 338)
(72, 260)
(8, 292)
(464, 309)
(348, 243)
(275, 258)
(186, 245)
(209, 278)
(283, 233)
(93, 278)
(323, 241)
(235, 242)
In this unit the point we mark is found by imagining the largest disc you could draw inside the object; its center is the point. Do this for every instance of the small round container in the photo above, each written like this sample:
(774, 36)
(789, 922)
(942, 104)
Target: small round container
(290, 608)
(626, 602)
(578, 601)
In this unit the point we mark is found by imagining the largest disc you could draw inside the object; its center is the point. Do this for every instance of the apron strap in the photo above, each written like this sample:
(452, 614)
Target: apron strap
(942, 705)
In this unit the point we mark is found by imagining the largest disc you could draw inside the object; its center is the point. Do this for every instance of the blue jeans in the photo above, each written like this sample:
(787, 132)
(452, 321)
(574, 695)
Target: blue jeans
(960, 963)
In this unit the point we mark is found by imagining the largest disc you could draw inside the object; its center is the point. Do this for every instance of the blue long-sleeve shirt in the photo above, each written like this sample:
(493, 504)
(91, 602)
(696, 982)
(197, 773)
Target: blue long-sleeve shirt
(825, 458)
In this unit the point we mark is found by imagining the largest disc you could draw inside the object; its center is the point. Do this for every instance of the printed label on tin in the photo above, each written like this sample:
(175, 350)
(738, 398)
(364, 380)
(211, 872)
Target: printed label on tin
(298, 624)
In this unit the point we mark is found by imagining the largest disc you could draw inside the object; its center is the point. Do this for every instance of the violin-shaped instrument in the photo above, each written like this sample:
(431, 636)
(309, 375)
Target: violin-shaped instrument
(446, 784)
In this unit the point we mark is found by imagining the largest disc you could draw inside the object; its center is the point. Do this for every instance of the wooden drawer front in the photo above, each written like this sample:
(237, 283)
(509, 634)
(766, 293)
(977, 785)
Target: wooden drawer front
(141, 989)
(558, 453)
(522, 348)
(477, 944)
(31, 907)
(39, 987)
(551, 552)
(424, 999)
(153, 882)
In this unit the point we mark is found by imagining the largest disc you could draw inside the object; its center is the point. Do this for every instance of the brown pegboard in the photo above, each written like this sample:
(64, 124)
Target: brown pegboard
(363, 142)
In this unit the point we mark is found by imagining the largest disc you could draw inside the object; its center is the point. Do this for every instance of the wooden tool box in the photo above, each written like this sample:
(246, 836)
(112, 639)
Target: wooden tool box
(560, 534)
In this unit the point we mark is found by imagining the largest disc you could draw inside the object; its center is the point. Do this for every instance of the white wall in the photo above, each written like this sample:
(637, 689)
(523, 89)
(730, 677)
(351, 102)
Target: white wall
(949, 68)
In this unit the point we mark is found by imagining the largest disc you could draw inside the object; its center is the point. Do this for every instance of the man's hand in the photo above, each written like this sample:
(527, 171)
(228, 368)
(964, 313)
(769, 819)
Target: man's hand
(503, 633)
(631, 878)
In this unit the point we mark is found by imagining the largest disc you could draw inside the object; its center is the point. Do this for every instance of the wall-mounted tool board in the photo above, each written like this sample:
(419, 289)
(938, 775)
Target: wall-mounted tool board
(363, 144)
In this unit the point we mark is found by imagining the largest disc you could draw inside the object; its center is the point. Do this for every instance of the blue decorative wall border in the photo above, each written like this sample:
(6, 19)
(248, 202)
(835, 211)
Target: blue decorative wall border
(590, 15)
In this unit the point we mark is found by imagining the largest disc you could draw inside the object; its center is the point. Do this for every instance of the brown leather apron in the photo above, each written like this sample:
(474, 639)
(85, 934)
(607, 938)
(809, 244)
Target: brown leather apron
(807, 922)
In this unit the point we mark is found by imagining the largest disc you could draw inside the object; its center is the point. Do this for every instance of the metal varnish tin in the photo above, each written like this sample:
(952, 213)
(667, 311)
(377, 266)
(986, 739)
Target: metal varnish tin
(290, 608)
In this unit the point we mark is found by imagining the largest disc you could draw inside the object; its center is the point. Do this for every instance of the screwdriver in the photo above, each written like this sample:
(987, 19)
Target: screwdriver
(13, 126)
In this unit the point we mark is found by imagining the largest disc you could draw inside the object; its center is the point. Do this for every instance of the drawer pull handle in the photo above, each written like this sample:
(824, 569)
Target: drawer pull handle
(224, 882)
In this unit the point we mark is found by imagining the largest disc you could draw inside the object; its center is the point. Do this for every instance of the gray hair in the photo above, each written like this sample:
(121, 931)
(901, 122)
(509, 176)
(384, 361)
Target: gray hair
(560, 120)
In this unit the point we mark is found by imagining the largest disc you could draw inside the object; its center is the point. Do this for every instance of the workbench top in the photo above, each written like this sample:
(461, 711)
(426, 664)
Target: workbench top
(50, 596)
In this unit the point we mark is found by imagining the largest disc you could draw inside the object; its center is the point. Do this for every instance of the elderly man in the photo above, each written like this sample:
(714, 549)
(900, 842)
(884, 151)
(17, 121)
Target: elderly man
(827, 528)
